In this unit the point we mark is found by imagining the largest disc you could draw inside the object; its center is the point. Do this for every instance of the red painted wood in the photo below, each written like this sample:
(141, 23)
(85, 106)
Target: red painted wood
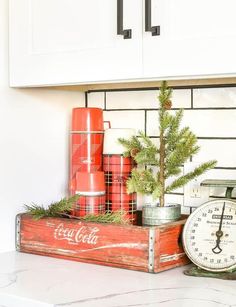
(171, 253)
(106, 244)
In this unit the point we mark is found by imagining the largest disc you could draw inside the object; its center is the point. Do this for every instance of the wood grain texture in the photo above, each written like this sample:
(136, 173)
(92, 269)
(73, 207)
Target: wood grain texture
(170, 246)
(106, 244)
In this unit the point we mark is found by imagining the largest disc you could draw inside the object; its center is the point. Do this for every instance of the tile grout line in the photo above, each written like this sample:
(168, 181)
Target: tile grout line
(105, 101)
(192, 107)
(175, 109)
(226, 138)
(157, 88)
(86, 99)
(145, 122)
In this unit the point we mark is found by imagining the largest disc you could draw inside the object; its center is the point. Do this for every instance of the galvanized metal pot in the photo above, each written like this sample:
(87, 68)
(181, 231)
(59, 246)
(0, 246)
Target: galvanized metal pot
(152, 216)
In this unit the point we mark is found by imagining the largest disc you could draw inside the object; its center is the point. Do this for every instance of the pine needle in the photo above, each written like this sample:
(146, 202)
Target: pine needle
(116, 217)
(54, 210)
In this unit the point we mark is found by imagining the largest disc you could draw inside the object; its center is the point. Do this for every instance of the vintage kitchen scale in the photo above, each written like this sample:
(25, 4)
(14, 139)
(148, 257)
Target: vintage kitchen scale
(209, 235)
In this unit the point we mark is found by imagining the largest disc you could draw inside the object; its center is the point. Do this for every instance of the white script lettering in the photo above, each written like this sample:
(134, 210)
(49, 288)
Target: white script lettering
(83, 234)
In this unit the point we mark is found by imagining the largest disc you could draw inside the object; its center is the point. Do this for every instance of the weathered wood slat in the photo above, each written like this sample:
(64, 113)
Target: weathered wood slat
(107, 244)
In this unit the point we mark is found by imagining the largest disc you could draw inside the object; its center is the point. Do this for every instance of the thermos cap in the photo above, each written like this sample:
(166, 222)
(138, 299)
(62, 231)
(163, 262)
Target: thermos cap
(87, 119)
(90, 182)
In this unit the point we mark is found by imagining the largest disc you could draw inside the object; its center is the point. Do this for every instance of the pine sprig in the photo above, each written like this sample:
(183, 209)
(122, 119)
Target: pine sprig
(142, 181)
(54, 209)
(130, 145)
(164, 94)
(116, 217)
(179, 182)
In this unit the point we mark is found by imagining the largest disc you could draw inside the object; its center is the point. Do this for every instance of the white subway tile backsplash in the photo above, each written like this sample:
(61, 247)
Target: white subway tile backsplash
(132, 100)
(211, 123)
(204, 123)
(145, 99)
(224, 151)
(126, 119)
(152, 123)
(181, 98)
(215, 128)
(96, 100)
(214, 97)
(174, 199)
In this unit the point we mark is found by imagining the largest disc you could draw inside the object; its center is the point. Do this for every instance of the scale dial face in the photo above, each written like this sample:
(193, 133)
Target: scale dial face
(209, 236)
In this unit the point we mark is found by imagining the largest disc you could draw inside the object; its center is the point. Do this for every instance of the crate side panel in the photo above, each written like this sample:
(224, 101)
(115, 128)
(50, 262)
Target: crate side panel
(169, 248)
(90, 242)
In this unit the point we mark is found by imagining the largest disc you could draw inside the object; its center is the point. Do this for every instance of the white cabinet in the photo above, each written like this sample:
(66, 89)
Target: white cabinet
(197, 38)
(73, 41)
(55, 42)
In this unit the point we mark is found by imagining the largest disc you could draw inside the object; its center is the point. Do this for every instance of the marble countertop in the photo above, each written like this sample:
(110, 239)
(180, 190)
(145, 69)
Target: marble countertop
(37, 281)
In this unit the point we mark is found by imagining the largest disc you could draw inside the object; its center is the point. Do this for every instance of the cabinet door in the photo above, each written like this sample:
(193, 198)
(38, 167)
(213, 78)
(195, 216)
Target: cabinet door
(197, 38)
(73, 41)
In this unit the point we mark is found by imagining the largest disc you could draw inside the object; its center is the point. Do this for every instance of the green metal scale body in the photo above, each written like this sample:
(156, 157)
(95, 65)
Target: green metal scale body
(209, 235)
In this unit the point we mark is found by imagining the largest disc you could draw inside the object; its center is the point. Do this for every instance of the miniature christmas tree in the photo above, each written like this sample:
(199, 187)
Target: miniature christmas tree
(176, 146)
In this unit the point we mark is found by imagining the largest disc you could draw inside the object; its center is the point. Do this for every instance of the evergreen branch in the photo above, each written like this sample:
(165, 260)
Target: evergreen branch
(36, 211)
(165, 121)
(173, 135)
(173, 138)
(147, 156)
(54, 209)
(148, 152)
(164, 94)
(173, 171)
(181, 181)
(141, 181)
(116, 217)
(145, 140)
(183, 149)
(157, 191)
(130, 144)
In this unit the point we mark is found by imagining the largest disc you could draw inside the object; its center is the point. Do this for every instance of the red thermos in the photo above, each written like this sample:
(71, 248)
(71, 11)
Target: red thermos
(86, 142)
(91, 188)
(117, 170)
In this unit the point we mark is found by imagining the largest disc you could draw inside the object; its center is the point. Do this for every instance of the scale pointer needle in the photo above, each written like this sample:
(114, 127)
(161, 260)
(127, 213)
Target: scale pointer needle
(219, 234)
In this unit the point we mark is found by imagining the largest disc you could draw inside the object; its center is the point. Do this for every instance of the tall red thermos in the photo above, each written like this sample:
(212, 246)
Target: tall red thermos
(86, 142)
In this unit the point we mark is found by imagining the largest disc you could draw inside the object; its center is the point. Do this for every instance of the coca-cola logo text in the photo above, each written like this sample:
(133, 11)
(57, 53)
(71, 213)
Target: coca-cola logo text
(83, 234)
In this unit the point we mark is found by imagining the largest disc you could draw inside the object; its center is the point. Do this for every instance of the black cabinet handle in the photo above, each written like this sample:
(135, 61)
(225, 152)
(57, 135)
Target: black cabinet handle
(155, 30)
(120, 31)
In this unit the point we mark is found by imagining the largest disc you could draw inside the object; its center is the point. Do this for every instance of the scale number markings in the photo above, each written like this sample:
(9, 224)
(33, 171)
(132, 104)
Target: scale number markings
(209, 236)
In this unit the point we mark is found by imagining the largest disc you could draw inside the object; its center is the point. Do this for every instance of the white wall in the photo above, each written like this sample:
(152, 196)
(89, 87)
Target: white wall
(34, 132)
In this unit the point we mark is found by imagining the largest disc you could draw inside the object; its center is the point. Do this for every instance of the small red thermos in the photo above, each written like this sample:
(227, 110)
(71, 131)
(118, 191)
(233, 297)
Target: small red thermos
(91, 189)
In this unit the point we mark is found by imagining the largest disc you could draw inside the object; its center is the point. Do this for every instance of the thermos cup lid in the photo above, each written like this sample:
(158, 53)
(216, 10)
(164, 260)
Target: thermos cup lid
(111, 144)
(87, 119)
(90, 182)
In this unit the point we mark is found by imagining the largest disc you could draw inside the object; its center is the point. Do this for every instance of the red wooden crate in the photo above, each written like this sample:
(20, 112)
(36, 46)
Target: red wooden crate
(148, 249)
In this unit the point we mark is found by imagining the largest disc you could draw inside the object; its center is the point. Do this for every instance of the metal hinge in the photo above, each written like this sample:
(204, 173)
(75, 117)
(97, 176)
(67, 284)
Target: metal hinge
(151, 251)
(17, 235)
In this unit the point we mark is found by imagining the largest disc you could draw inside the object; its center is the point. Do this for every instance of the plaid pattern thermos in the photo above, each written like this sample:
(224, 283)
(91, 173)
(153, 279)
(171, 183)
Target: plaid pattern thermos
(117, 170)
(91, 190)
(89, 204)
